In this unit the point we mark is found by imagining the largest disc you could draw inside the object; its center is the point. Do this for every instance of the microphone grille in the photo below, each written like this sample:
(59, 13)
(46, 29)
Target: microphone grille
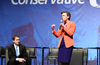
(61, 21)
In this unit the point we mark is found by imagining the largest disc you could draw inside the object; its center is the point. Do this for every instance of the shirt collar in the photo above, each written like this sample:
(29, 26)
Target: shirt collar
(15, 45)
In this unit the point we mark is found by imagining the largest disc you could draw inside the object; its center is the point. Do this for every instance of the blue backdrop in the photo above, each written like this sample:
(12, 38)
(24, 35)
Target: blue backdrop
(32, 20)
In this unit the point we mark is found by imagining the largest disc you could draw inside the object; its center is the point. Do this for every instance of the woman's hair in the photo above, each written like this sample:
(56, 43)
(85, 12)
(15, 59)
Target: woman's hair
(68, 14)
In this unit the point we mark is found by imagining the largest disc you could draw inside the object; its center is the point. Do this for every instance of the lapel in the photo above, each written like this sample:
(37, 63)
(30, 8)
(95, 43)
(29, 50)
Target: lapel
(69, 24)
(14, 50)
(20, 49)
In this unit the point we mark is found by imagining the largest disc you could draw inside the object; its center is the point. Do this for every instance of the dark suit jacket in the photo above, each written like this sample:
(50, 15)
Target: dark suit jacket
(12, 52)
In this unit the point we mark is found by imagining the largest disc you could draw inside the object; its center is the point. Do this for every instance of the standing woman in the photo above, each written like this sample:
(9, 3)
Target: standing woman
(66, 42)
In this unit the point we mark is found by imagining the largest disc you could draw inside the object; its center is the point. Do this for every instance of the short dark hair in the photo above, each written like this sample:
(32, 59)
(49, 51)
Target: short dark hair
(68, 14)
(13, 38)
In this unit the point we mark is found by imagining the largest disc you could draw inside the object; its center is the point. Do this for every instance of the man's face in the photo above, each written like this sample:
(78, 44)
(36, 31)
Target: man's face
(64, 16)
(16, 41)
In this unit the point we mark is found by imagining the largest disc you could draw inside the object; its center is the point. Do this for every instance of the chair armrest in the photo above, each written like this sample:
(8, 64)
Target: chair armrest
(6, 57)
(28, 56)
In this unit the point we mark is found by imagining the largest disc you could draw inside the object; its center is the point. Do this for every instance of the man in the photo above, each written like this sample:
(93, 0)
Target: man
(17, 52)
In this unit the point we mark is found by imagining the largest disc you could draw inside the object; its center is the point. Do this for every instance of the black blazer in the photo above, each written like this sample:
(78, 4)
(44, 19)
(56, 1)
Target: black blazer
(12, 52)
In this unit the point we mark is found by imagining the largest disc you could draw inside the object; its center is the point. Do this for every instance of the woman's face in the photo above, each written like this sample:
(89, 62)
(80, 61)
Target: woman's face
(64, 16)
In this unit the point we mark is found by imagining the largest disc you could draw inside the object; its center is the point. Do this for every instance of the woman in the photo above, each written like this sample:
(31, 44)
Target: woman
(66, 42)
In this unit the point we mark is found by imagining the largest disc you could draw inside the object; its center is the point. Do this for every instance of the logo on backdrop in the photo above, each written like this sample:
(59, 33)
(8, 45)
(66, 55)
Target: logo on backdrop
(94, 3)
(34, 2)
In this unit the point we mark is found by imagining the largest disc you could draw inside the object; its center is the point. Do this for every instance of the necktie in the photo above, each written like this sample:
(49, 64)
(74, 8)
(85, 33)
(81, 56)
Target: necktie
(17, 51)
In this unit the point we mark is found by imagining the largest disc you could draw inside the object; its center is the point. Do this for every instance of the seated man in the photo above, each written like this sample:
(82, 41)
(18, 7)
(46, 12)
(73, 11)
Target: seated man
(17, 52)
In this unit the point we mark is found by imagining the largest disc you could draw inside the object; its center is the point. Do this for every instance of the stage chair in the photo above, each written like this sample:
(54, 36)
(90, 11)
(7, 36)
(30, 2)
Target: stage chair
(32, 55)
(77, 57)
(53, 54)
(85, 57)
(3, 50)
(7, 58)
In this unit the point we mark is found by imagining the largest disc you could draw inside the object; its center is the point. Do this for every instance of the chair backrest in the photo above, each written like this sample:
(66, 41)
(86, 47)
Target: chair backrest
(32, 50)
(85, 50)
(53, 52)
(6, 57)
(0, 51)
(77, 57)
(3, 51)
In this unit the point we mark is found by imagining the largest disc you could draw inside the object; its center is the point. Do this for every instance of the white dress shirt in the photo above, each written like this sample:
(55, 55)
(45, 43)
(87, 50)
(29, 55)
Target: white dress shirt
(18, 51)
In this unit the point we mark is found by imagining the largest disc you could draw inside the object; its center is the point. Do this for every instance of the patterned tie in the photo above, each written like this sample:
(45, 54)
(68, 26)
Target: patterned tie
(17, 51)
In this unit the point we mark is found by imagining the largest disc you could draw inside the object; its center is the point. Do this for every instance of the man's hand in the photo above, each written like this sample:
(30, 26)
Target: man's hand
(21, 60)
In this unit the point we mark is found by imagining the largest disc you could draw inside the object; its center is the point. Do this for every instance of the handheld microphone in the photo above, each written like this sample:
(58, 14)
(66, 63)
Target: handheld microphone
(60, 25)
